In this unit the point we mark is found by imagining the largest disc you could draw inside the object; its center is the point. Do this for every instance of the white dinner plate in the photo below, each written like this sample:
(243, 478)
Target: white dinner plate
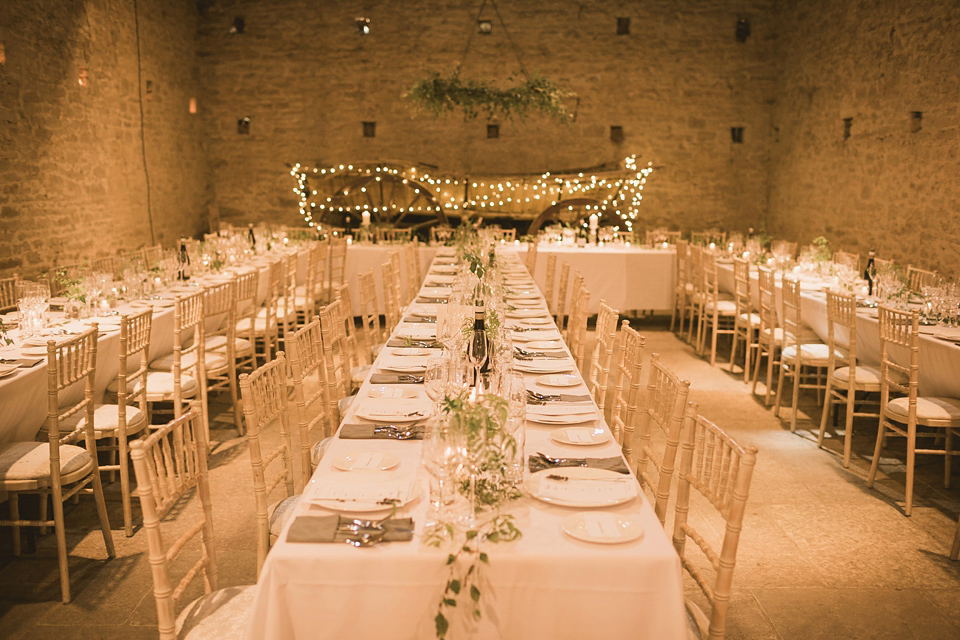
(560, 380)
(544, 344)
(103, 321)
(554, 419)
(582, 487)
(539, 334)
(394, 411)
(392, 392)
(410, 352)
(544, 366)
(362, 506)
(7, 370)
(580, 436)
(539, 320)
(366, 461)
(526, 313)
(33, 351)
(532, 302)
(602, 527)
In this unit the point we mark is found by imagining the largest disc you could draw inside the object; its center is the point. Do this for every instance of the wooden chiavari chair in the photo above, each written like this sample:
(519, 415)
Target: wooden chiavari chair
(109, 264)
(309, 368)
(356, 362)
(336, 360)
(220, 318)
(287, 301)
(264, 395)
(705, 238)
(939, 417)
(562, 297)
(849, 260)
(530, 260)
(659, 236)
(69, 467)
(8, 293)
(180, 377)
(391, 308)
(576, 284)
(627, 385)
(119, 421)
(697, 298)
(152, 256)
(718, 315)
(306, 295)
(604, 354)
(577, 331)
(682, 286)
(440, 235)
(746, 324)
(337, 267)
(770, 336)
(373, 337)
(918, 278)
(396, 289)
(548, 285)
(663, 408)
(882, 264)
(799, 351)
(716, 466)
(168, 465)
(245, 340)
(845, 376)
(411, 260)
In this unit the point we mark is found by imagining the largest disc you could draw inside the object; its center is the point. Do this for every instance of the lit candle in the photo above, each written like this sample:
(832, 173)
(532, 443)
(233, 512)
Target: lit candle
(713, 246)
(594, 222)
(366, 219)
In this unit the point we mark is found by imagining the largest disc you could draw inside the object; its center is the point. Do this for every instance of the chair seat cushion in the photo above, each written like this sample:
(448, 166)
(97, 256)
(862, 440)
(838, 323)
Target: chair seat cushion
(724, 307)
(221, 615)
(867, 377)
(279, 512)
(214, 361)
(241, 346)
(813, 354)
(259, 325)
(931, 411)
(318, 450)
(160, 386)
(25, 461)
(359, 374)
(106, 419)
(777, 335)
(343, 404)
(376, 349)
(750, 319)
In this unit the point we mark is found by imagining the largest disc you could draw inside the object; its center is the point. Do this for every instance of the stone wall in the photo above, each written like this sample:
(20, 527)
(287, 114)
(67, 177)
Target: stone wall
(676, 84)
(889, 185)
(72, 180)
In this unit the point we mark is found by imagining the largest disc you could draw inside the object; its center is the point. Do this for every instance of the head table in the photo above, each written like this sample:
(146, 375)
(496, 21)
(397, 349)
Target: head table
(545, 585)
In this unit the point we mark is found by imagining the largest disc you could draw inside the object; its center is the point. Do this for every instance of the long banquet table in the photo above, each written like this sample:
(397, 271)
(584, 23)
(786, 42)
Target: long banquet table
(546, 585)
(627, 278)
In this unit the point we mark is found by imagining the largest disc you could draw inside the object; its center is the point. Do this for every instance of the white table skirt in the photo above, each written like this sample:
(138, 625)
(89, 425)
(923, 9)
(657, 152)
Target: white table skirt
(546, 585)
(626, 278)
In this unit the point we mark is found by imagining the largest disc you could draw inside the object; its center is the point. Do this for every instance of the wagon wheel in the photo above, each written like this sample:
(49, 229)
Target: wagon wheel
(390, 199)
(570, 211)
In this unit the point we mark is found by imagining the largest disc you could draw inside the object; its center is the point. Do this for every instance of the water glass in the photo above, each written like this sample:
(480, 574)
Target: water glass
(441, 455)
(515, 426)
(436, 378)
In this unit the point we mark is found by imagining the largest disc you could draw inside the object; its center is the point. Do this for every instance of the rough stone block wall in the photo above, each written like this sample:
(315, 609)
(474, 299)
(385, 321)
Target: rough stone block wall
(72, 182)
(676, 84)
(887, 186)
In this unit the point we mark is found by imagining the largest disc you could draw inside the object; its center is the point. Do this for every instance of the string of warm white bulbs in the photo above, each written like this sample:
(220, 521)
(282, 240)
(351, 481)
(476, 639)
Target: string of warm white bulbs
(618, 193)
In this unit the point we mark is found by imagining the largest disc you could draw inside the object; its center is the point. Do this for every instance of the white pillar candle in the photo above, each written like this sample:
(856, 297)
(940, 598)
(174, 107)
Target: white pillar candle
(594, 221)
(366, 218)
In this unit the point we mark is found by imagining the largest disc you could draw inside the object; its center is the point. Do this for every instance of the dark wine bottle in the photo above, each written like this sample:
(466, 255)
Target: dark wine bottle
(184, 271)
(479, 352)
(870, 273)
(252, 237)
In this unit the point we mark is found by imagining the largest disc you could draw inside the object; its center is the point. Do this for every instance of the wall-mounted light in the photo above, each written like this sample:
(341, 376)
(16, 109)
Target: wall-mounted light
(192, 108)
(363, 26)
(82, 78)
(3, 55)
(239, 25)
(485, 27)
(243, 126)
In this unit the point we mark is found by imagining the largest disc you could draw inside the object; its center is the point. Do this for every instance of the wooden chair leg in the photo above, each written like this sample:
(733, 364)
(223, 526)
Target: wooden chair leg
(825, 416)
(955, 551)
(58, 526)
(776, 402)
(771, 356)
(125, 488)
(795, 399)
(14, 501)
(113, 458)
(911, 455)
(848, 428)
(102, 515)
(948, 458)
(756, 369)
(733, 347)
(44, 512)
(876, 455)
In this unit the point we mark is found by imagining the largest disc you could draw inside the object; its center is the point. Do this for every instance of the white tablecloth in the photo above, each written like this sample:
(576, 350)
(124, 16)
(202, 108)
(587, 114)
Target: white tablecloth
(545, 585)
(364, 257)
(627, 278)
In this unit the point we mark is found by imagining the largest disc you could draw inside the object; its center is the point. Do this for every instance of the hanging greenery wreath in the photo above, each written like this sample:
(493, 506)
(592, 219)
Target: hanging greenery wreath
(440, 95)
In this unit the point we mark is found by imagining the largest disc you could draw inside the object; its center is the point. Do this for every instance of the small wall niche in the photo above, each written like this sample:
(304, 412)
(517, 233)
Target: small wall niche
(239, 26)
(742, 30)
(847, 127)
(243, 126)
(192, 107)
(363, 26)
(616, 133)
(916, 121)
(83, 78)
(623, 26)
(369, 129)
(736, 135)
(485, 27)
(493, 131)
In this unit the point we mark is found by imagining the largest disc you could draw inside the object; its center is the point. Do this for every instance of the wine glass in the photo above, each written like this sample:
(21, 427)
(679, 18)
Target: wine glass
(515, 426)
(436, 379)
(441, 455)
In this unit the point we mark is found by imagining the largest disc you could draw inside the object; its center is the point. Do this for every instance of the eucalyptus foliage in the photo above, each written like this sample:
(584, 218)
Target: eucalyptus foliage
(440, 95)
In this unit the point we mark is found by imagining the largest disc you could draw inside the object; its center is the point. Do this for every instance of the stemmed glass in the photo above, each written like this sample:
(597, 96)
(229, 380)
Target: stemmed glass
(436, 379)
(515, 427)
(441, 455)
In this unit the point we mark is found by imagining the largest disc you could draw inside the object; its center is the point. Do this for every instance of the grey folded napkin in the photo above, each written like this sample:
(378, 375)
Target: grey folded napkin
(563, 397)
(23, 362)
(328, 529)
(539, 463)
(395, 378)
(425, 344)
(416, 319)
(378, 432)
